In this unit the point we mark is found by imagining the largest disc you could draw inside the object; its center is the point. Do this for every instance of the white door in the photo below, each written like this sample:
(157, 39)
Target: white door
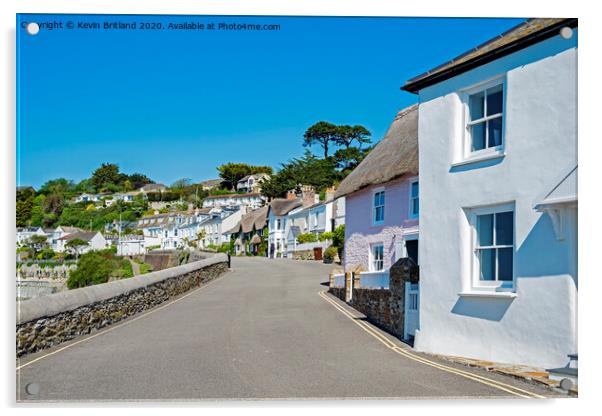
(412, 308)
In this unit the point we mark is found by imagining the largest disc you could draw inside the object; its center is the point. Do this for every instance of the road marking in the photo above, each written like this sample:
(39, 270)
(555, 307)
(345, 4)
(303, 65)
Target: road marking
(395, 348)
(112, 328)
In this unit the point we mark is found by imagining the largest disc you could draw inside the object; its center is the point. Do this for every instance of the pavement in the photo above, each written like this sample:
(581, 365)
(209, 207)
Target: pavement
(262, 331)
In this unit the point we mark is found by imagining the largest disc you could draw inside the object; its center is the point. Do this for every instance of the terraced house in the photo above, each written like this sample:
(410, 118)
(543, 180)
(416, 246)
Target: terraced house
(382, 206)
(497, 135)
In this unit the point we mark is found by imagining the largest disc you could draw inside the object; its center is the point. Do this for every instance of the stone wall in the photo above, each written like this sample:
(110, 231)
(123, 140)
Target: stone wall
(161, 259)
(50, 320)
(385, 308)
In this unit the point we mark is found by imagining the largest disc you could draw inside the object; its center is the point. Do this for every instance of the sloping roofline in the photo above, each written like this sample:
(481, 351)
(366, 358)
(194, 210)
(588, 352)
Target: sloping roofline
(483, 55)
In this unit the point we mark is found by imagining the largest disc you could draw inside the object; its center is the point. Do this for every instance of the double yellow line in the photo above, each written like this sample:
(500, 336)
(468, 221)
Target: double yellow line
(392, 346)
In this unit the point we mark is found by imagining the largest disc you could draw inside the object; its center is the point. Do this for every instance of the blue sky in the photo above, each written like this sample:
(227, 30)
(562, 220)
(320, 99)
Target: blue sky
(176, 104)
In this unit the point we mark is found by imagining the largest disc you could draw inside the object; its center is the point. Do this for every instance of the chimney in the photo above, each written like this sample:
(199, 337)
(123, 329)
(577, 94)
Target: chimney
(190, 207)
(308, 195)
(291, 195)
(330, 193)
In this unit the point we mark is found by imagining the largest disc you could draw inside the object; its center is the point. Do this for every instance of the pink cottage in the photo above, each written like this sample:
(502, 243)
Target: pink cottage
(382, 200)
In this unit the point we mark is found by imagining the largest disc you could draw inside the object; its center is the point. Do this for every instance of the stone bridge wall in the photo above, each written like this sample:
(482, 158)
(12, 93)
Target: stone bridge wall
(50, 320)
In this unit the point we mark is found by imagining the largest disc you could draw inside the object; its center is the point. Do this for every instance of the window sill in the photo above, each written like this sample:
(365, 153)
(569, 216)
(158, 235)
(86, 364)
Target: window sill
(488, 294)
(479, 158)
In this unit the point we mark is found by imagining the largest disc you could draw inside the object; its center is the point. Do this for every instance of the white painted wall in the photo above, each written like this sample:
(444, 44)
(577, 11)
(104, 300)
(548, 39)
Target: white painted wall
(538, 326)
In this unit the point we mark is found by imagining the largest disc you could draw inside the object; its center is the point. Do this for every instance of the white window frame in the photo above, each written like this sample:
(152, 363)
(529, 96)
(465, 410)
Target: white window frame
(467, 139)
(411, 213)
(374, 207)
(494, 285)
(371, 257)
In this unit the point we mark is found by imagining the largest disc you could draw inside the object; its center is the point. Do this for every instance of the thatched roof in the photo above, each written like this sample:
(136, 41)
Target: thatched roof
(256, 219)
(282, 206)
(394, 156)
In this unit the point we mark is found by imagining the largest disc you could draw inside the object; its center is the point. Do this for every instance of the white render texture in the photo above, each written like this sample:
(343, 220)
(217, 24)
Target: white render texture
(538, 326)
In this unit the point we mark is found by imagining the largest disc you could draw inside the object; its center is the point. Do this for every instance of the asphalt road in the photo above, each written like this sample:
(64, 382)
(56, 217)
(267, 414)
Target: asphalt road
(261, 331)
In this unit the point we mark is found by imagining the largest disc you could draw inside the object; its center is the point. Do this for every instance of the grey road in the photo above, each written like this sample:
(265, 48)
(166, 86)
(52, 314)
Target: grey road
(261, 331)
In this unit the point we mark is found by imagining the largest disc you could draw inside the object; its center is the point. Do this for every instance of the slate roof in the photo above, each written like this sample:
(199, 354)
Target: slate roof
(236, 196)
(83, 235)
(153, 187)
(517, 38)
(394, 156)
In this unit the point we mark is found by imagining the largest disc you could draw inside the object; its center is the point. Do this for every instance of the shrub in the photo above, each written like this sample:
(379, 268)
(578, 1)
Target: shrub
(46, 254)
(329, 235)
(330, 254)
(307, 238)
(145, 268)
(338, 239)
(93, 268)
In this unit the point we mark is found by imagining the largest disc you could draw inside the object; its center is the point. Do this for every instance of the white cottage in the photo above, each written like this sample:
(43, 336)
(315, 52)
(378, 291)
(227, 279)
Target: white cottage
(498, 216)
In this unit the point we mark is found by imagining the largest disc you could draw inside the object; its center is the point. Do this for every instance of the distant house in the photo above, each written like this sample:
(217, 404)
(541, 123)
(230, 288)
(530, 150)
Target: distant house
(152, 187)
(381, 200)
(125, 197)
(279, 220)
(25, 233)
(59, 232)
(210, 184)
(251, 183)
(249, 200)
(498, 160)
(248, 232)
(216, 228)
(86, 197)
(95, 241)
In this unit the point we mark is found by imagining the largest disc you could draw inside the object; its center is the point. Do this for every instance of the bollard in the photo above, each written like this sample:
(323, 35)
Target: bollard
(229, 260)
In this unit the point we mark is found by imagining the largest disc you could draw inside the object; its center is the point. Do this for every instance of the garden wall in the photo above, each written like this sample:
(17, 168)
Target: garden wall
(50, 320)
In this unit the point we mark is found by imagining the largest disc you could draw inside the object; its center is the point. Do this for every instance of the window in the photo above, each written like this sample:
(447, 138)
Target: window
(377, 257)
(485, 118)
(494, 246)
(414, 204)
(379, 208)
(278, 223)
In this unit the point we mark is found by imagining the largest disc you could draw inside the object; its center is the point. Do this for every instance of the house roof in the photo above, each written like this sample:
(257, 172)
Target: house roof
(153, 186)
(256, 219)
(83, 235)
(211, 182)
(282, 206)
(394, 156)
(236, 196)
(70, 230)
(519, 37)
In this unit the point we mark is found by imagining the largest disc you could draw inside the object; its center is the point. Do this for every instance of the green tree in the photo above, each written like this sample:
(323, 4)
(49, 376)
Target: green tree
(59, 186)
(181, 184)
(24, 206)
(306, 238)
(349, 158)
(323, 134)
(346, 135)
(138, 180)
(92, 268)
(308, 170)
(75, 245)
(231, 173)
(36, 242)
(106, 174)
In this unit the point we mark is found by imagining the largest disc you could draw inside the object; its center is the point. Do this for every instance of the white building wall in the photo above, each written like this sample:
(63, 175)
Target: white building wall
(538, 326)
